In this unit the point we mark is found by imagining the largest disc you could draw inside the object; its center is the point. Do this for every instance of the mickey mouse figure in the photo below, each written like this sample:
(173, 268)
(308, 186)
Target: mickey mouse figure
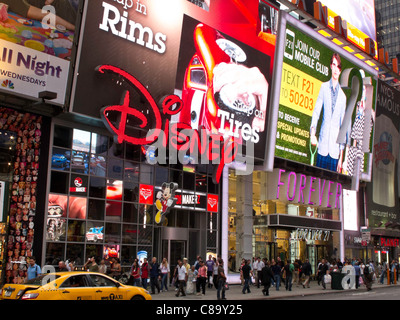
(165, 200)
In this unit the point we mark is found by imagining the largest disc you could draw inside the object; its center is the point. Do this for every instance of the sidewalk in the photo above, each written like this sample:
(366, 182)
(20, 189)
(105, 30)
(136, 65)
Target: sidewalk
(235, 292)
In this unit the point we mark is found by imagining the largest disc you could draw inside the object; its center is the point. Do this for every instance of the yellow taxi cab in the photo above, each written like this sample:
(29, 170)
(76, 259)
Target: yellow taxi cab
(73, 286)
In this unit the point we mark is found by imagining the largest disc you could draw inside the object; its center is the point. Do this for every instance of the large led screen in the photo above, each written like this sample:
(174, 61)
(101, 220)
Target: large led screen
(223, 83)
(326, 104)
(383, 191)
(219, 65)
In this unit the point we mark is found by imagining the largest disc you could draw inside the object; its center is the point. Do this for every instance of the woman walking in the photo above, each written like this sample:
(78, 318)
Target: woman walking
(164, 269)
(135, 273)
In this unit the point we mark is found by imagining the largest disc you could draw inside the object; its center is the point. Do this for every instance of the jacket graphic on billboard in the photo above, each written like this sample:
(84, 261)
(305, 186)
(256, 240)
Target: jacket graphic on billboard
(165, 200)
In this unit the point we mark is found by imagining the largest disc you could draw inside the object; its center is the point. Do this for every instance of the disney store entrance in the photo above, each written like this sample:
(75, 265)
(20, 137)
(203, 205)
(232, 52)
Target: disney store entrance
(179, 243)
(173, 250)
(187, 233)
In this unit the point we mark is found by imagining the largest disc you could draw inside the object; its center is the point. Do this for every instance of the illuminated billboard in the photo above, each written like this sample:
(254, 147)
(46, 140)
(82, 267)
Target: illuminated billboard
(36, 47)
(383, 192)
(359, 17)
(350, 210)
(325, 103)
(223, 83)
(186, 50)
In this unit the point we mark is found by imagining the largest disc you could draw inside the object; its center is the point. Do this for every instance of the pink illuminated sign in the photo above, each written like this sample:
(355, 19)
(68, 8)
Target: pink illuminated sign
(305, 189)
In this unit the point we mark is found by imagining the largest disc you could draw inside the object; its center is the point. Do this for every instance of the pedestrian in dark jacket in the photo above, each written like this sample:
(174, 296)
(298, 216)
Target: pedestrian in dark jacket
(154, 275)
(246, 270)
(266, 276)
(288, 269)
(276, 270)
(323, 269)
(306, 269)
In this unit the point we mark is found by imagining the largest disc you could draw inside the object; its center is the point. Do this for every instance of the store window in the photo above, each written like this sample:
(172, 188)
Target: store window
(273, 242)
(94, 204)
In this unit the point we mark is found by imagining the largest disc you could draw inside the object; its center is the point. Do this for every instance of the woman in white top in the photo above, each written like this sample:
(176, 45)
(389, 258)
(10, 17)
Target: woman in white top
(215, 273)
(164, 269)
(191, 281)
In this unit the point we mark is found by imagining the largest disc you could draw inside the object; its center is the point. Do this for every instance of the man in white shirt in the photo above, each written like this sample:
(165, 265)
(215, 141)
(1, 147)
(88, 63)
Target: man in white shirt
(260, 266)
(255, 264)
(182, 278)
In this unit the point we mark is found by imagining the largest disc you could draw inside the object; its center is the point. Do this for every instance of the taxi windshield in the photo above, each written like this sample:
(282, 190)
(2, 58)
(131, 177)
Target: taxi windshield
(42, 279)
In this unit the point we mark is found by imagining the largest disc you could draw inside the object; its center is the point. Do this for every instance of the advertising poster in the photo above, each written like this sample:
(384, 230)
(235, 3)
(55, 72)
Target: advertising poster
(36, 42)
(359, 17)
(383, 193)
(173, 49)
(350, 210)
(224, 86)
(326, 107)
(21, 138)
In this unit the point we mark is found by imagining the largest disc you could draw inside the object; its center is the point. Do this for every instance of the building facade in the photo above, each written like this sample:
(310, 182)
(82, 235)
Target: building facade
(96, 162)
(387, 26)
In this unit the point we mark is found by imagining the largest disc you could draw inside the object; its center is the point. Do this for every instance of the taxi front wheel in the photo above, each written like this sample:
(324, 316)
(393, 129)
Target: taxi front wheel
(138, 298)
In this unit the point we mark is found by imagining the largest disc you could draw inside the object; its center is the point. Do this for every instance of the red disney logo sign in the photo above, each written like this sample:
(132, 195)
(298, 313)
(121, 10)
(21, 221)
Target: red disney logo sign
(180, 137)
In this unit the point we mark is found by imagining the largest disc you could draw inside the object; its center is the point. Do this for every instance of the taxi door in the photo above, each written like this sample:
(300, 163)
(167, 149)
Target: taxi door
(106, 288)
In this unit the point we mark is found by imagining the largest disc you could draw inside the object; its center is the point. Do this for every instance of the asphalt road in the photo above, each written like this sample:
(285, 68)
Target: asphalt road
(380, 293)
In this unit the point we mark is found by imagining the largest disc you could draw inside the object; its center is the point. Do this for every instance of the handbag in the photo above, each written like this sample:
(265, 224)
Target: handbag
(226, 286)
(328, 278)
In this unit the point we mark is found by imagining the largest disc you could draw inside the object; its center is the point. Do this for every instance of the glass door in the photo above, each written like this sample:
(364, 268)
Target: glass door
(177, 251)
(312, 259)
(173, 250)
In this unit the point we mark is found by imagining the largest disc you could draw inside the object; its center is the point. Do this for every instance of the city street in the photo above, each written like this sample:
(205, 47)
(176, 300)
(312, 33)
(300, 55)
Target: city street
(315, 292)
(138, 134)
(381, 293)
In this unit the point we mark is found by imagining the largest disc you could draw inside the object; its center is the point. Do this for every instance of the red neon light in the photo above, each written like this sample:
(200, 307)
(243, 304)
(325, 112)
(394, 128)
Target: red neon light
(387, 242)
(172, 104)
(126, 110)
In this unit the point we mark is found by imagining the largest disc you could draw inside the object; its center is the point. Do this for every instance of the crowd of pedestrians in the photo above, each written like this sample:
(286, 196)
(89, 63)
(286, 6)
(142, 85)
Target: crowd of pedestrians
(362, 273)
(184, 279)
(266, 274)
(194, 279)
(277, 273)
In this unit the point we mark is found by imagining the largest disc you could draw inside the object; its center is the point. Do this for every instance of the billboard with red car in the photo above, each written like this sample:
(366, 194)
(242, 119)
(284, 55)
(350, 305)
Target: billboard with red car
(214, 57)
